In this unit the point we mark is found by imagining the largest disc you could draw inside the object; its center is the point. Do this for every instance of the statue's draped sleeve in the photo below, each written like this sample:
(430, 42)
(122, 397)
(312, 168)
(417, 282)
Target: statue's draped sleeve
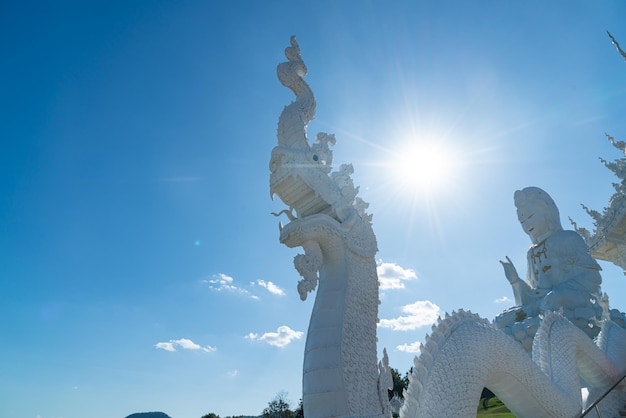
(522, 292)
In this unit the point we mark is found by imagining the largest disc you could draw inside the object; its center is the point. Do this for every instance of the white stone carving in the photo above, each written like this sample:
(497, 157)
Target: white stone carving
(464, 353)
(341, 374)
(561, 275)
(607, 241)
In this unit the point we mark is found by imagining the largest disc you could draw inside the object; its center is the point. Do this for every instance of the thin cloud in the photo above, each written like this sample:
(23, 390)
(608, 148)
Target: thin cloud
(420, 314)
(233, 373)
(221, 282)
(178, 179)
(271, 287)
(393, 276)
(283, 337)
(503, 299)
(185, 344)
(589, 120)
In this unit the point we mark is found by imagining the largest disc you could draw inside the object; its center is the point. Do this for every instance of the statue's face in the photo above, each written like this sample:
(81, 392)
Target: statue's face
(534, 223)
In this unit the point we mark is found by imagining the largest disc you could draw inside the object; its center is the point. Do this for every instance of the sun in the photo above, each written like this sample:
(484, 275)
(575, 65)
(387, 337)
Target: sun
(424, 167)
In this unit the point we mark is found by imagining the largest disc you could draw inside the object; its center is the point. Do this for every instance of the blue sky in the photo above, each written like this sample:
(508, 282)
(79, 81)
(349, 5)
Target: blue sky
(140, 268)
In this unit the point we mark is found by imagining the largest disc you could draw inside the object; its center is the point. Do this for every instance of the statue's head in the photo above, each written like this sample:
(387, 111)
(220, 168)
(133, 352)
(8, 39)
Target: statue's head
(537, 213)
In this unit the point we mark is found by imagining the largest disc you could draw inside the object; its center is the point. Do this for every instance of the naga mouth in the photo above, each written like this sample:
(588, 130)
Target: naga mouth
(294, 191)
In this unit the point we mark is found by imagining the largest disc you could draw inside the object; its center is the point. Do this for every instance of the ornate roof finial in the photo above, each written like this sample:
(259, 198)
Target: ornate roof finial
(622, 53)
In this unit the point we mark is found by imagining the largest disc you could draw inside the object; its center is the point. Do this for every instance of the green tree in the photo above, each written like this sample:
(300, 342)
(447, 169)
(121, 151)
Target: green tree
(210, 415)
(399, 383)
(299, 411)
(278, 407)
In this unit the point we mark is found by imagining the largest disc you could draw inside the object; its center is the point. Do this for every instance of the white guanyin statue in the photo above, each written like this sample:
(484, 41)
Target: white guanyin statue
(561, 274)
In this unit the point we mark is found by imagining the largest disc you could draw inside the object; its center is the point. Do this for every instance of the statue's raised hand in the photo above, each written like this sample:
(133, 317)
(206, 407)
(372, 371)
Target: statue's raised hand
(509, 270)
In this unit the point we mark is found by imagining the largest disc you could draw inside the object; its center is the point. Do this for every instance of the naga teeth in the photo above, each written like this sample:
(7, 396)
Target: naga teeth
(280, 226)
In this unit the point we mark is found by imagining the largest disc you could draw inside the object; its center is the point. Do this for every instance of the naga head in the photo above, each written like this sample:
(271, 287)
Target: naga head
(300, 172)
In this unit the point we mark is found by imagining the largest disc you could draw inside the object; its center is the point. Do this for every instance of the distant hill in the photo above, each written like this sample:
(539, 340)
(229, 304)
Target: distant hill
(149, 415)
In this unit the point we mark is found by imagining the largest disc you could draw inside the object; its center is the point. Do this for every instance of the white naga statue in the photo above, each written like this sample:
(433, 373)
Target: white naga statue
(342, 376)
(561, 275)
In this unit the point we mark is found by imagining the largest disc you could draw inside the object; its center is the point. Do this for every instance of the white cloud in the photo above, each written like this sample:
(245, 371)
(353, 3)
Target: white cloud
(221, 282)
(393, 276)
(281, 338)
(165, 346)
(420, 314)
(188, 344)
(233, 373)
(185, 344)
(503, 299)
(410, 348)
(271, 287)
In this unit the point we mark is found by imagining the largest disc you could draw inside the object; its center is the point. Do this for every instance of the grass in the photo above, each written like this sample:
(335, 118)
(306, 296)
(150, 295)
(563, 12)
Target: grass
(496, 409)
